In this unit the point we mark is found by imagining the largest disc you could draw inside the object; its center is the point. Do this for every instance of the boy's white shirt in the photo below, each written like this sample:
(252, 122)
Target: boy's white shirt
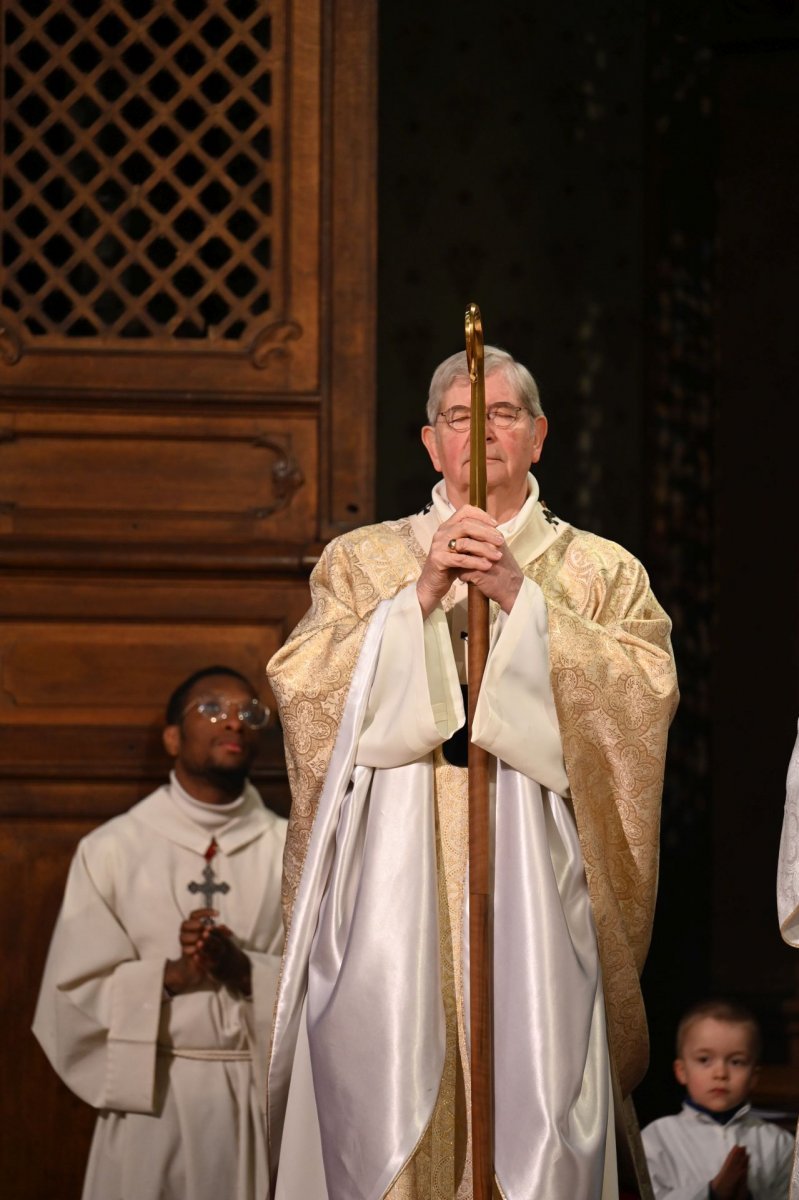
(684, 1152)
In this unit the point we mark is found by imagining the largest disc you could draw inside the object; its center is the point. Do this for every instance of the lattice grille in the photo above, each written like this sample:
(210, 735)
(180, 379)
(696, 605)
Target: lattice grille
(135, 166)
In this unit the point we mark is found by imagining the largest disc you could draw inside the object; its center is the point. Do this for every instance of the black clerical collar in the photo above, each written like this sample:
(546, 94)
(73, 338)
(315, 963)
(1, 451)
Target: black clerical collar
(721, 1118)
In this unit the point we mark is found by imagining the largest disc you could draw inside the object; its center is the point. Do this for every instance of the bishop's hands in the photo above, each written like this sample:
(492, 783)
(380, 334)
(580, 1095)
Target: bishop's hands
(731, 1183)
(208, 954)
(468, 546)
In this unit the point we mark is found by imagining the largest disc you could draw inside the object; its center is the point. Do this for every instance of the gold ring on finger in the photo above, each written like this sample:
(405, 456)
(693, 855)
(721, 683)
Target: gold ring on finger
(452, 544)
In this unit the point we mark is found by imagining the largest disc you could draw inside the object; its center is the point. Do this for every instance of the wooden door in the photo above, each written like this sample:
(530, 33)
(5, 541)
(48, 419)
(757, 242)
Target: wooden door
(187, 243)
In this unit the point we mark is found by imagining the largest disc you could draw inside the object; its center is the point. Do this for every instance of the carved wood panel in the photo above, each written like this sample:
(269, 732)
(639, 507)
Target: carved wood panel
(82, 694)
(34, 857)
(135, 476)
(148, 177)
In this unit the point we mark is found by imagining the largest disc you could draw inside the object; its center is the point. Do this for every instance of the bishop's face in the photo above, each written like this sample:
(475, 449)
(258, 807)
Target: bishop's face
(509, 452)
(213, 756)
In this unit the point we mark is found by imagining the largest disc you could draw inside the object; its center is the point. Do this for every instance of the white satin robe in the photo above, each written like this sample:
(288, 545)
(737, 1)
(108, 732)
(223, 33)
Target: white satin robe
(180, 1083)
(358, 1045)
(788, 886)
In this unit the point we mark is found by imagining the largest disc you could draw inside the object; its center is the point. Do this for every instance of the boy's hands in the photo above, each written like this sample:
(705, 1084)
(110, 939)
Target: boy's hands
(731, 1183)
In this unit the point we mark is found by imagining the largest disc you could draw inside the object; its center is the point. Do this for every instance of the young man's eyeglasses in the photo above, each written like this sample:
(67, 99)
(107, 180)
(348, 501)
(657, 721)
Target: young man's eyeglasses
(459, 418)
(251, 713)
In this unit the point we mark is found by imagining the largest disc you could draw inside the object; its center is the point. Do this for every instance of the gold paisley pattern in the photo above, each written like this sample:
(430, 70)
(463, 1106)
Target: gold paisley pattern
(615, 692)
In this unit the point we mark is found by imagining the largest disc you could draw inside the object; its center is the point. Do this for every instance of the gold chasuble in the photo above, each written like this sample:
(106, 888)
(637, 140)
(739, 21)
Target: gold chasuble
(612, 680)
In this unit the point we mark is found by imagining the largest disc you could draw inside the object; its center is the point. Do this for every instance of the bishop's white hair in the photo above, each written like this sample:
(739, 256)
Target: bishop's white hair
(455, 370)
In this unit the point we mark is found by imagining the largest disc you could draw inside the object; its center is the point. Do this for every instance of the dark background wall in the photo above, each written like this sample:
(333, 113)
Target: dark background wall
(511, 174)
(616, 184)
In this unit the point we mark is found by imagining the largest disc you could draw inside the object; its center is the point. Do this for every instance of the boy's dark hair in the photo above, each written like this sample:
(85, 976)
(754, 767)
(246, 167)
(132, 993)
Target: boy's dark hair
(720, 1009)
(177, 701)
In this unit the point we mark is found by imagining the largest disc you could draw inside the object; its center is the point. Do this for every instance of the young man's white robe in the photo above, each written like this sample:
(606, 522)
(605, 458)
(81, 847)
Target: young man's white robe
(360, 975)
(179, 1084)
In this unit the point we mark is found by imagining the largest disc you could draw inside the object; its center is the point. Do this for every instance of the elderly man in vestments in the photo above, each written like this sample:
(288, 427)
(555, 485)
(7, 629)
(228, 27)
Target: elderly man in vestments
(157, 998)
(369, 1081)
(788, 886)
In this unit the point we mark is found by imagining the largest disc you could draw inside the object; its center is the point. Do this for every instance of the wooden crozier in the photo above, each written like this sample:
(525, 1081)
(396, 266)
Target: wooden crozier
(480, 962)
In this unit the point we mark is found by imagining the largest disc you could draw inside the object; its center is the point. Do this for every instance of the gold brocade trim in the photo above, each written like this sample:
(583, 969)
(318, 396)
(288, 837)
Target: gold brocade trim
(615, 691)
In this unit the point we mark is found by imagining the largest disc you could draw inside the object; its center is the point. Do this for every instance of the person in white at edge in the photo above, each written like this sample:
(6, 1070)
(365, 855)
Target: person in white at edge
(788, 884)
(716, 1148)
(369, 1075)
(157, 998)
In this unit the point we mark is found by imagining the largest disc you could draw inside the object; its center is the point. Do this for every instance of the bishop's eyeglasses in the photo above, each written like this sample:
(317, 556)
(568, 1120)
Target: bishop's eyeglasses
(251, 713)
(503, 416)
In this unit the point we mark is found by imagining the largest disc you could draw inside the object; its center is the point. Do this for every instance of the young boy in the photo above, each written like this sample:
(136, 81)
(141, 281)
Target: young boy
(715, 1149)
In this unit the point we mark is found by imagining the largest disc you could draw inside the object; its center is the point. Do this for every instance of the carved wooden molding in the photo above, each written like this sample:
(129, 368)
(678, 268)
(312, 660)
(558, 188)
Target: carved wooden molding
(122, 479)
(10, 345)
(275, 340)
